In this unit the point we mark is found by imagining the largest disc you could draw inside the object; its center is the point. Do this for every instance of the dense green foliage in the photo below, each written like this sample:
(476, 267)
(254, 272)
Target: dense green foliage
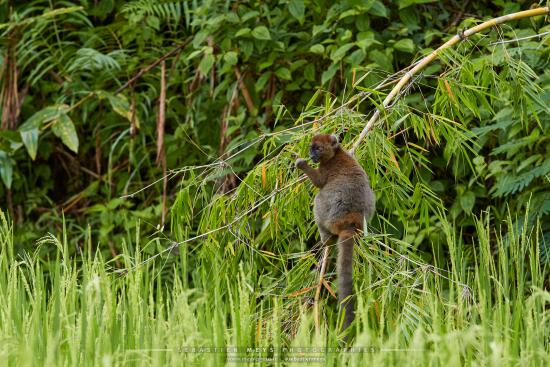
(71, 143)
(83, 155)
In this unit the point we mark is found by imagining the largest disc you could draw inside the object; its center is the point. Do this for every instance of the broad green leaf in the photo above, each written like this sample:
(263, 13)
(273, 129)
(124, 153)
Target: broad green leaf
(231, 58)
(200, 37)
(265, 64)
(329, 73)
(309, 72)
(261, 32)
(378, 9)
(43, 116)
(249, 15)
(64, 129)
(467, 201)
(363, 22)
(298, 64)
(317, 49)
(356, 57)
(30, 140)
(283, 73)
(115, 203)
(153, 22)
(366, 39)
(30, 129)
(382, 59)
(247, 47)
(410, 19)
(232, 17)
(120, 105)
(206, 63)
(10, 141)
(6, 169)
(431, 34)
(319, 29)
(349, 13)
(345, 36)
(405, 3)
(215, 22)
(365, 35)
(405, 45)
(262, 81)
(194, 54)
(297, 9)
(337, 54)
(242, 32)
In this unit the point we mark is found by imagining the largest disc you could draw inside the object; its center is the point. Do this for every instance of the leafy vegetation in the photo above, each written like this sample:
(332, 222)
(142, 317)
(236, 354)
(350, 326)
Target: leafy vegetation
(154, 141)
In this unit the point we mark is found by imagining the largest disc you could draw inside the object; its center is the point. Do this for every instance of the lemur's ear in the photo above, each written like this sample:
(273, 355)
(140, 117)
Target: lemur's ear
(333, 140)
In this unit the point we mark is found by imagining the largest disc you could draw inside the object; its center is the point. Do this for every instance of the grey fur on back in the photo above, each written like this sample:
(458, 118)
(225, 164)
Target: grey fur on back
(343, 193)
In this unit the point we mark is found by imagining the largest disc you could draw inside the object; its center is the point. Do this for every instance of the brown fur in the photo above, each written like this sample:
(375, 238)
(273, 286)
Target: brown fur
(344, 202)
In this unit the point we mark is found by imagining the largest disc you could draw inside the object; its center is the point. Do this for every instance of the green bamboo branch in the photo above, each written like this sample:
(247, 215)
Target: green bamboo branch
(434, 55)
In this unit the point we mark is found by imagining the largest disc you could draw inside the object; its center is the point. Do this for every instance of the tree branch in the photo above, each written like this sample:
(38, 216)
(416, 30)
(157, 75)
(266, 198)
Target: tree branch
(157, 61)
(326, 252)
(244, 91)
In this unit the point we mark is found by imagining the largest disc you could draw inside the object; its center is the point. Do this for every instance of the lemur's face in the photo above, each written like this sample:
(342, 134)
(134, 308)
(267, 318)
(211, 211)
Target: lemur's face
(322, 147)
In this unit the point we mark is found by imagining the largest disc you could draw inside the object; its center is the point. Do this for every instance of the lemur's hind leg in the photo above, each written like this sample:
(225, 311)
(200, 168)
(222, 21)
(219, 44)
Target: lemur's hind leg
(327, 240)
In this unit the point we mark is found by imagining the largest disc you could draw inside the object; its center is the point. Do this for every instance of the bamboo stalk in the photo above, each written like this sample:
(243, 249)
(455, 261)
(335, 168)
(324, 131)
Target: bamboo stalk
(320, 285)
(161, 154)
(434, 55)
(161, 115)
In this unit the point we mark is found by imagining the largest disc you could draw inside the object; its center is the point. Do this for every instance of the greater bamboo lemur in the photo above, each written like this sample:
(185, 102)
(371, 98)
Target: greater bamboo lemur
(342, 205)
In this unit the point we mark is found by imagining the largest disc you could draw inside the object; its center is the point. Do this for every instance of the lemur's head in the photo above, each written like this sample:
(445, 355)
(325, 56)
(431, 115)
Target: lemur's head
(323, 147)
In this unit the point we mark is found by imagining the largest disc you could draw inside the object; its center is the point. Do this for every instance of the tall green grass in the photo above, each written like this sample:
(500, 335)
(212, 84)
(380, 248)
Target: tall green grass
(81, 311)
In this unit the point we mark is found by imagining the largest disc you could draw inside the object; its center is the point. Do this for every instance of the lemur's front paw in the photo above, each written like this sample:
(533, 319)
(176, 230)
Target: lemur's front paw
(301, 163)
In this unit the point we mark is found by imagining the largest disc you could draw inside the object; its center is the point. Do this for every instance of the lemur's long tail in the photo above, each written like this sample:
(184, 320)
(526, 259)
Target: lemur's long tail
(345, 274)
